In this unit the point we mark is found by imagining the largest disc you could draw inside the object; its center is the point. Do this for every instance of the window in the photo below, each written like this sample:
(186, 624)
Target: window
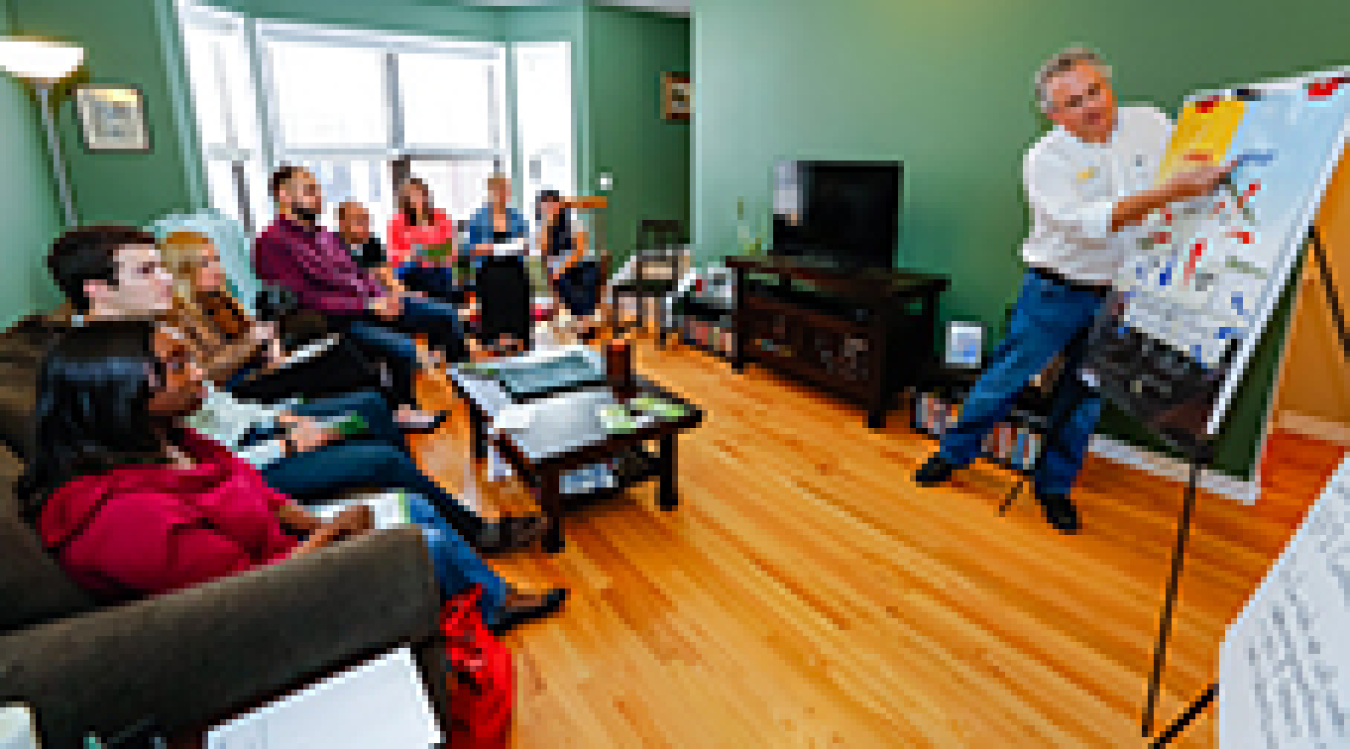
(365, 110)
(544, 117)
(327, 96)
(451, 101)
(225, 104)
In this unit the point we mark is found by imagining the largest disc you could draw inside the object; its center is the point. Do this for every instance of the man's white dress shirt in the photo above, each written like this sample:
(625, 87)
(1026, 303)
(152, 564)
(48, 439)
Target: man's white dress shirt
(1072, 187)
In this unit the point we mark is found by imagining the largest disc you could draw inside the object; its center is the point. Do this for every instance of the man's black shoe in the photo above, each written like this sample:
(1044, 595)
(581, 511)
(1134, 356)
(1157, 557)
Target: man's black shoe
(1059, 510)
(935, 471)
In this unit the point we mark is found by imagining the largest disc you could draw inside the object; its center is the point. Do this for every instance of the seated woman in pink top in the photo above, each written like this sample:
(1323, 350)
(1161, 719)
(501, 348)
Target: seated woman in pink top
(417, 229)
(133, 504)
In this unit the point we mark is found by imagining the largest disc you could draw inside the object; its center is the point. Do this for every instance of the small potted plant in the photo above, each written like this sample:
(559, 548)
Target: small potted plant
(752, 243)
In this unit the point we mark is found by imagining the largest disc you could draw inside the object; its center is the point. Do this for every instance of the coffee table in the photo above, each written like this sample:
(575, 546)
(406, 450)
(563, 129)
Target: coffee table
(565, 433)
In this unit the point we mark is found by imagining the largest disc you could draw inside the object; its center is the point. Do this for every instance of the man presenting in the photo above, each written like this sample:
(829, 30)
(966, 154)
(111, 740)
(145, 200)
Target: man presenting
(1088, 185)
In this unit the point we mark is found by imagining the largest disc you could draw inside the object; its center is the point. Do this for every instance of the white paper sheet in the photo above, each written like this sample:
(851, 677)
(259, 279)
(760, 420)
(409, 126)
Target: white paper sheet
(1284, 667)
(389, 508)
(509, 249)
(378, 704)
(309, 351)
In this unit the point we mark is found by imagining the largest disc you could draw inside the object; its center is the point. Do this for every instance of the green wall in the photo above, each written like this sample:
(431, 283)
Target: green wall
(121, 46)
(29, 210)
(946, 87)
(648, 156)
(618, 60)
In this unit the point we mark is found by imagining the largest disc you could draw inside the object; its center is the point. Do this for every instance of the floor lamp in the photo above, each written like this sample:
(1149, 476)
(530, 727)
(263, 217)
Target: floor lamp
(44, 64)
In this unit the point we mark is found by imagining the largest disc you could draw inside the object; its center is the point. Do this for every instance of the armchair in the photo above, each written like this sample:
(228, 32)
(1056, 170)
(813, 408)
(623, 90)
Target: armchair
(233, 243)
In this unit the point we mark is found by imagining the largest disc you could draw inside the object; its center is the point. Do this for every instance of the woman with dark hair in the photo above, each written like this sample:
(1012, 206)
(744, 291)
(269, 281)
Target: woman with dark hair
(575, 277)
(414, 233)
(133, 503)
(502, 283)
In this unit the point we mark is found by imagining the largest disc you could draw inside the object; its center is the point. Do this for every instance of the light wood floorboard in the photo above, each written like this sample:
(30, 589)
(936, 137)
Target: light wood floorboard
(807, 594)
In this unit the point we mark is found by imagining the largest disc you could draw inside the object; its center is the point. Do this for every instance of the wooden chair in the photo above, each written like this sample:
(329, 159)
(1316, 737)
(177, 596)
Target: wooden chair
(656, 272)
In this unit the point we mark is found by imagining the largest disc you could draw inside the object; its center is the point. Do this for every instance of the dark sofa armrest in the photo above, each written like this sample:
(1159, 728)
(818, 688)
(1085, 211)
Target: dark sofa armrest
(192, 657)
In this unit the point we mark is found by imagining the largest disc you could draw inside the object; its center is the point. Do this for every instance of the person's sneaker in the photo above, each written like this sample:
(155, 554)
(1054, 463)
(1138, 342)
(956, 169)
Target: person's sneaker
(1059, 510)
(935, 471)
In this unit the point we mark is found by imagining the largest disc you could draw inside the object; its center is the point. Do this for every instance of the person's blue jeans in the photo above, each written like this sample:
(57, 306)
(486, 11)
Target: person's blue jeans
(393, 338)
(457, 565)
(371, 405)
(579, 288)
(378, 459)
(436, 280)
(1047, 317)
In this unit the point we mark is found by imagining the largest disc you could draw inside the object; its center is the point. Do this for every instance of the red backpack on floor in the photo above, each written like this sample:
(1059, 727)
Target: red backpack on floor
(483, 694)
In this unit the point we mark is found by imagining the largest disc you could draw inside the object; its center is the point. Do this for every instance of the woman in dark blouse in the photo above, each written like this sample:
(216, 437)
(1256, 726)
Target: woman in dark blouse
(502, 283)
(574, 276)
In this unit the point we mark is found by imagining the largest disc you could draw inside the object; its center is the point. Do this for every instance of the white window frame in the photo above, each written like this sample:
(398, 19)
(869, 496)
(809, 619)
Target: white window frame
(391, 45)
(215, 19)
(272, 150)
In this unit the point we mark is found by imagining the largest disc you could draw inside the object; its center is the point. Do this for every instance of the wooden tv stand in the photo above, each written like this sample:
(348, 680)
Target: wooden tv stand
(861, 333)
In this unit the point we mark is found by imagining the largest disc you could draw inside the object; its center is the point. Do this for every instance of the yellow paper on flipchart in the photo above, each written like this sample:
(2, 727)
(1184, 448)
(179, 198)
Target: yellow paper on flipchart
(1207, 133)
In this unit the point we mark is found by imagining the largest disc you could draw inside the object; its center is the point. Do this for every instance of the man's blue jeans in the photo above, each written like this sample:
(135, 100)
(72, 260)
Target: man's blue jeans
(393, 338)
(457, 565)
(1047, 317)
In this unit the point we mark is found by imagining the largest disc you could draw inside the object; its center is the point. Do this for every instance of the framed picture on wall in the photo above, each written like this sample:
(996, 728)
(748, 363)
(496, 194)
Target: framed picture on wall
(112, 118)
(677, 96)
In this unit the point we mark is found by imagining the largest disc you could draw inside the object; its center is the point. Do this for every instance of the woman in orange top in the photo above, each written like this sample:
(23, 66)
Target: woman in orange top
(418, 227)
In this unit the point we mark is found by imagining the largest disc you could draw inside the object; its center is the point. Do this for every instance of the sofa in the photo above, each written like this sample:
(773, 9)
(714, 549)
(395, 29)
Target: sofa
(190, 659)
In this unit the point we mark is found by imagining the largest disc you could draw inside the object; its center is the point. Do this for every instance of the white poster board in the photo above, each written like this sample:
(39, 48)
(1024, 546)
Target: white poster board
(1284, 667)
(1207, 274)
(377, 704)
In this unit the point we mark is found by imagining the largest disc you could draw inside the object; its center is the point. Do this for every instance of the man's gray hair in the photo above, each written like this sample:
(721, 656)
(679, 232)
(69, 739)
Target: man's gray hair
(1062, 62)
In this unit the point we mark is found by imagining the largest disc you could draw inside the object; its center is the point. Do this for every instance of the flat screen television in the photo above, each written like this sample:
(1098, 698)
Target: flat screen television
(839, 212)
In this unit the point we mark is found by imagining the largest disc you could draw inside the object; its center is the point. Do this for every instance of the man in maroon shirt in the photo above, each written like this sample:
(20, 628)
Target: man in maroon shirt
(298, 254)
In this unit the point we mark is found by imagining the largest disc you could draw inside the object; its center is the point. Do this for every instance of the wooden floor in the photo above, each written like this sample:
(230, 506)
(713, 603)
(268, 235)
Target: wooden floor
(808, 594)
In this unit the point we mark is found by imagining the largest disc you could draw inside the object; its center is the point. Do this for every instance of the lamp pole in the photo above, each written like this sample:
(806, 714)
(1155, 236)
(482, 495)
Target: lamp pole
(44, 88)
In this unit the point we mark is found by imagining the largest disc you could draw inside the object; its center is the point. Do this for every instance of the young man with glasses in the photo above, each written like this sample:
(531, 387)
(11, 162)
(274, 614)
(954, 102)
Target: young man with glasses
(1089, 183)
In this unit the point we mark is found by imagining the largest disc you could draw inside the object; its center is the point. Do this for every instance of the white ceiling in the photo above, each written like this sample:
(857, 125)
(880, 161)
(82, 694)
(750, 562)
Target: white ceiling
(672, 7)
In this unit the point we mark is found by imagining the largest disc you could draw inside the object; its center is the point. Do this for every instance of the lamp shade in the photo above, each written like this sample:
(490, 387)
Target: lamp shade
(38, 60)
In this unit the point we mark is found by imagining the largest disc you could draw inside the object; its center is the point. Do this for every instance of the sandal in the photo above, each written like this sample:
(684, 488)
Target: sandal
(511, 533)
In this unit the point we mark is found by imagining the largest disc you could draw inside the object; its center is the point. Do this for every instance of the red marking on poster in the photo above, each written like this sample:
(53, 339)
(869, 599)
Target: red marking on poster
(1197, 250)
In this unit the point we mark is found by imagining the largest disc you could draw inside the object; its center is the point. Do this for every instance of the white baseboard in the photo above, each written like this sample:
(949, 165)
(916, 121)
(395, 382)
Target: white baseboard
(1313, 426)
(1171, 468)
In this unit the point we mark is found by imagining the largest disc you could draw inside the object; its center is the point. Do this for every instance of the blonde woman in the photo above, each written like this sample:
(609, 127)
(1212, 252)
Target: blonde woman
(244, 356)
(502, 283)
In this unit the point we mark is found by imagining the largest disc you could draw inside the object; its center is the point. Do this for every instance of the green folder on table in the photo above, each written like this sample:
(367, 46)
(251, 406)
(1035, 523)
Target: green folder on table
(662, 408)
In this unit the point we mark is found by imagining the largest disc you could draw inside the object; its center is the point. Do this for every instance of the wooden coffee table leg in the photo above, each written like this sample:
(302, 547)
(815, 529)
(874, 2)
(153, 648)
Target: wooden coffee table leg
(479, 434)
(669, 491)
(550, 499)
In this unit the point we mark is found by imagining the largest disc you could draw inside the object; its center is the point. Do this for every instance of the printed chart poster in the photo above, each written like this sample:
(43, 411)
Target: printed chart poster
(1196, 294)
(1283, 676)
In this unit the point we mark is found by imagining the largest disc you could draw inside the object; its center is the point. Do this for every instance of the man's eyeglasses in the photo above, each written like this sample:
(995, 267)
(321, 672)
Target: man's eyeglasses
(1076, 102)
